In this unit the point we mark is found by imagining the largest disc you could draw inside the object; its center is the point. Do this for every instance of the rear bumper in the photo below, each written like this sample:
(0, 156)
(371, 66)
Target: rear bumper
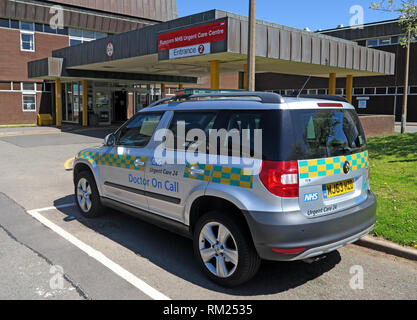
(288, 230)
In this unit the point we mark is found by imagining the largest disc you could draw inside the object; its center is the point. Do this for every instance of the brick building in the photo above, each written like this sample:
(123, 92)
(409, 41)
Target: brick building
(26, 34)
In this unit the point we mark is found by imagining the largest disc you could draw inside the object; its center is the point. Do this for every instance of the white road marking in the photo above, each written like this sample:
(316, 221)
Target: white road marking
(97, 255)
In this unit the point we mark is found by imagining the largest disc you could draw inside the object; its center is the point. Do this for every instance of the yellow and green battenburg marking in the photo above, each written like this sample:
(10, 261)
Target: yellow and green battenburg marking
(231, 176)
(331, 166)
(113, 160)
(203, 177)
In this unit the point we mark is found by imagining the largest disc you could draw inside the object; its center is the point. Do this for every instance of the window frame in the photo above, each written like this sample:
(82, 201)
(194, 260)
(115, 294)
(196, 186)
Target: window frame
(26, 32)
(119, 131)
(28, 93)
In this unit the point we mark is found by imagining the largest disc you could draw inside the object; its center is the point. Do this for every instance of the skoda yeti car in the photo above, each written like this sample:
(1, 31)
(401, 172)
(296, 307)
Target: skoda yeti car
(247, 176)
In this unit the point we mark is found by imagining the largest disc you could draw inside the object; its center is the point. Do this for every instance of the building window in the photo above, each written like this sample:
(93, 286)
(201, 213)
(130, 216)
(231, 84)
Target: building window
(28, 26)
(39, 27)
(384, 42)
(14, 24)
(29, 102)
(372, 43)
(48, 29)
(4, 23)
(74, 42)
(27, 41)
(28, 86)
(78, 36)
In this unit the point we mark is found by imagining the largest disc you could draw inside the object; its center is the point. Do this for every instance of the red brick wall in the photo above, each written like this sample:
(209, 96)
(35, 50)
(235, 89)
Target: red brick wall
(377, 125)
(13, 67)
(227, 81)
(13, 61)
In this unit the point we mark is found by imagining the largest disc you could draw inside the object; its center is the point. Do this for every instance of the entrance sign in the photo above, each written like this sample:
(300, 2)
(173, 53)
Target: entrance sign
(195, 36)
(197, 50)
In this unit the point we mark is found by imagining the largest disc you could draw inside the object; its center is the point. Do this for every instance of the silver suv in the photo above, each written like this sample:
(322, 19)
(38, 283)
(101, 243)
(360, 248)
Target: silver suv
(295, 188)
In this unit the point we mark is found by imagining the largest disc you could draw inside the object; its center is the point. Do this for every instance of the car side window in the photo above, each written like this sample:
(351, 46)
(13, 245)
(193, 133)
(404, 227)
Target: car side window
(139, 131)
(191, 120)
(244, 123)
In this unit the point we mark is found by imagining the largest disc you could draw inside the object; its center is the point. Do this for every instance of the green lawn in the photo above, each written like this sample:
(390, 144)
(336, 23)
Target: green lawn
(393, 162)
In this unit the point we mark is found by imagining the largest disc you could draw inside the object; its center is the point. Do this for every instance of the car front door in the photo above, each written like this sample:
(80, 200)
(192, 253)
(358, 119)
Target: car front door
(122, 167)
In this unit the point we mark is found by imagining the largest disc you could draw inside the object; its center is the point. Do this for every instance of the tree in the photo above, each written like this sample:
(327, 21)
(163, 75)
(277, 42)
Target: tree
(407, 10)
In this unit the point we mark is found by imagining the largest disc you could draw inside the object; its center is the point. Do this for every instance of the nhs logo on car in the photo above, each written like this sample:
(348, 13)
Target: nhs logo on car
(309, 197)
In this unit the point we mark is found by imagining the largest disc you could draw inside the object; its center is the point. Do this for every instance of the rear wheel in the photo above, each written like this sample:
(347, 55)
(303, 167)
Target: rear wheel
(87, 196)
(224, 249)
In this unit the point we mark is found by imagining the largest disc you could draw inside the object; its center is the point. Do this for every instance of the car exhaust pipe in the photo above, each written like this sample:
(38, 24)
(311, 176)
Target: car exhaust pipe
(315, 259)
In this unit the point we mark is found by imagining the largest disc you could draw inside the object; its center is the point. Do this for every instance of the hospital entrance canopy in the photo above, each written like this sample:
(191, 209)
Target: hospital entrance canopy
(183, 49)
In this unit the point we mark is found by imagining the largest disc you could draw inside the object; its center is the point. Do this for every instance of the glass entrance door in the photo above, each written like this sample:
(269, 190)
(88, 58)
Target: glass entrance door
(71, 102)
(102, 107)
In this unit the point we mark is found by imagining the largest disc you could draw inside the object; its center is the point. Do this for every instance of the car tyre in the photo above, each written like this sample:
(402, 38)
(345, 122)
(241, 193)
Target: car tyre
(87, 196)
(224, 249)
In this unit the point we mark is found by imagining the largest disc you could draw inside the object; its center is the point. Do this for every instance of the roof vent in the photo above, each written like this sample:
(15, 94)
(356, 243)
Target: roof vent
(340, 26)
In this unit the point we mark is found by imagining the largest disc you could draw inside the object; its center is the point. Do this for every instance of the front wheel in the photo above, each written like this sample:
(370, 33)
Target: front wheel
(224, 249)
(87, 196)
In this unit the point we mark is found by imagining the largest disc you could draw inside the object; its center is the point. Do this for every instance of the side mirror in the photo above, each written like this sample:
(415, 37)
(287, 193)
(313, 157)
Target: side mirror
(110, 140)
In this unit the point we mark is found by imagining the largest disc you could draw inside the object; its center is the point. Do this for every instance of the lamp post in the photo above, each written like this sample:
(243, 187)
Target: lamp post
(251, 46)
(405, 100)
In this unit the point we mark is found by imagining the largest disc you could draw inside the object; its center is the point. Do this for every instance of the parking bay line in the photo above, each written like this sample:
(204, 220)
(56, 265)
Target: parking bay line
(97, 255)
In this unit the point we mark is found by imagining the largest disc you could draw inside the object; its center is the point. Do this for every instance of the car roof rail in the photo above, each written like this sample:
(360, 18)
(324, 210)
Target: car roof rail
(318, 96)
(167, 100)
(265, 97)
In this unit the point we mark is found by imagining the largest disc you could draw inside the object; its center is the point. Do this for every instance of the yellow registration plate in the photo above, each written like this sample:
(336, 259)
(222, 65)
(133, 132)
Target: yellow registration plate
(338, 188)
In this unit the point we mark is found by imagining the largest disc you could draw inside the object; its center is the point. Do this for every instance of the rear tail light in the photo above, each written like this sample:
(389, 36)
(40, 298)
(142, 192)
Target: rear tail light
(280, 178)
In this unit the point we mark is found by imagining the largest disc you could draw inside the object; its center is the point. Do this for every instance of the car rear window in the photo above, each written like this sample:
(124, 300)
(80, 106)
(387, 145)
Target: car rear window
(323, 133)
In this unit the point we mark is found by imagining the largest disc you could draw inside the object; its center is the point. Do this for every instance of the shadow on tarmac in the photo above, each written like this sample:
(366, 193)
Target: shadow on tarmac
(174, 254)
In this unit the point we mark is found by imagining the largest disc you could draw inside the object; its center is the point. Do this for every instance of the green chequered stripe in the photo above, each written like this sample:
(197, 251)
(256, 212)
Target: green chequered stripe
(113, 160)
(330, 166)
(203, 177)
(238, 177)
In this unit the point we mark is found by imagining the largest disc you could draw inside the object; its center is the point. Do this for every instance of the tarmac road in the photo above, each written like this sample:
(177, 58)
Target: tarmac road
(120, 257)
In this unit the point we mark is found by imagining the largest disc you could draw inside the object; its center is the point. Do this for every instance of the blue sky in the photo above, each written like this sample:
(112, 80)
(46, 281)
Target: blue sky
(314, 14)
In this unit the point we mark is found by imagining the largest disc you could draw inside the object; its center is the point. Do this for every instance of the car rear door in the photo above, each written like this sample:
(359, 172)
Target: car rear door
(176, 176)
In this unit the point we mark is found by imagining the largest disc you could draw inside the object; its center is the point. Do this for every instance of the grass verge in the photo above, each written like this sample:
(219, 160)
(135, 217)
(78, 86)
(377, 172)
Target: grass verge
(17, 126)
(393, 163)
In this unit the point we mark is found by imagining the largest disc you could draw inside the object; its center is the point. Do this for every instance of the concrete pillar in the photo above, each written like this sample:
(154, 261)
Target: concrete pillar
(245, 76)
(349, 88)
(163, 90)
(215, 74)
(130, 105)
(58, 99)
(85, 108)
(332, 84)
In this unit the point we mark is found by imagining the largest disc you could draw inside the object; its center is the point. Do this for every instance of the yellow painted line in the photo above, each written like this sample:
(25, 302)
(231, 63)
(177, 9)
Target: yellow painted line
(27, 134)
(68, 165)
